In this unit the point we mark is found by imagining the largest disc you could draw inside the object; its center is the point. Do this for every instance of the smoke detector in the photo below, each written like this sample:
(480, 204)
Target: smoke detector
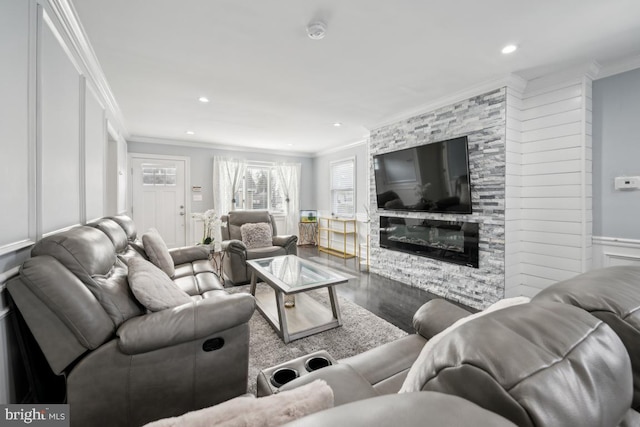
(316, 30)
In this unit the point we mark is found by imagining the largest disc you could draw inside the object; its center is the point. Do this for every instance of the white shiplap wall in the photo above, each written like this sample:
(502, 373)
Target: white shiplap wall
(555, 193)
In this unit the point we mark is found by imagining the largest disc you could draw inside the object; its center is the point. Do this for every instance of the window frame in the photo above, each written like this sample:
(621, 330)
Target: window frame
(332, 191)
(271, 171)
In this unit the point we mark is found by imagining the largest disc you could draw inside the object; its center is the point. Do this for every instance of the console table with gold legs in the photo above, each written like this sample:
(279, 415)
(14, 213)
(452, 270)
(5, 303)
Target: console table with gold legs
(338, 236)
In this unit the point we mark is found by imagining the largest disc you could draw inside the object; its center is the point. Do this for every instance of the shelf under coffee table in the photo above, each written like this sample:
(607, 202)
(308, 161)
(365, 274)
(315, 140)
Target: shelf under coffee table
(290, 275)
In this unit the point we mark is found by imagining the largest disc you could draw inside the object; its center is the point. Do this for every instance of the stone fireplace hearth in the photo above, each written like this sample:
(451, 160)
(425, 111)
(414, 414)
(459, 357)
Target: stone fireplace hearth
(483, 120)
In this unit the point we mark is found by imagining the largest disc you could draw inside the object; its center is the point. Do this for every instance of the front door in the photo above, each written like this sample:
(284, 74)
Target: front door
(158, 197)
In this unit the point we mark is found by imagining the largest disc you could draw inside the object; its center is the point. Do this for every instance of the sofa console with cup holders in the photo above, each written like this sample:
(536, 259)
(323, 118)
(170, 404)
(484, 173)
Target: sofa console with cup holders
(270, 380)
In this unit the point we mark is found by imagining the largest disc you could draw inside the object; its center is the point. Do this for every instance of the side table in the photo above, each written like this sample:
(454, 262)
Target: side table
(216, 260)
(308, 232)
(216, 257)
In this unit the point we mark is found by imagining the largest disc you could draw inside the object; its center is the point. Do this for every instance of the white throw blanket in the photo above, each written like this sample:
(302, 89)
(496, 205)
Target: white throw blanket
(249, 411)
(418, 372)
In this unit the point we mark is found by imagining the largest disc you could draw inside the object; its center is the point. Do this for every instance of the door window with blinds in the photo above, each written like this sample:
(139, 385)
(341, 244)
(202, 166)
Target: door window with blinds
(260, 189)
(343, 188)
(157, 175)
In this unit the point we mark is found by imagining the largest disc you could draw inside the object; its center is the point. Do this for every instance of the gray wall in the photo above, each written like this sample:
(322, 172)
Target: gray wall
(202, 169)
(616, 152)
(321, 187)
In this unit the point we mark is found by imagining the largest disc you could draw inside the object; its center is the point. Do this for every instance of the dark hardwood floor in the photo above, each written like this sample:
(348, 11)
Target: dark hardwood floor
(394, 301)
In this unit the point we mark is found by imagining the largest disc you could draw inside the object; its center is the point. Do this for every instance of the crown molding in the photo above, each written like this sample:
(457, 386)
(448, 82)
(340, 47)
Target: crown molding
(619, 67)
(345, 146)
(511, 80)
(67, 18)
(559, 78)
(213, 146)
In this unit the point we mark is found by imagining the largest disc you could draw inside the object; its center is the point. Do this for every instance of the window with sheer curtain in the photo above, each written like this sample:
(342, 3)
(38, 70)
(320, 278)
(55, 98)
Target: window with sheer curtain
(275, 187)
(343, 183)
(261, 189)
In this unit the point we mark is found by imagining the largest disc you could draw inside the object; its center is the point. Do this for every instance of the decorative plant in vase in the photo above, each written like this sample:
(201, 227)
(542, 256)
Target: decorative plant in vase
(211, 220)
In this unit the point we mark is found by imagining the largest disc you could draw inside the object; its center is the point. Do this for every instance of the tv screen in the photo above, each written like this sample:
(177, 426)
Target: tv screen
(428, 178)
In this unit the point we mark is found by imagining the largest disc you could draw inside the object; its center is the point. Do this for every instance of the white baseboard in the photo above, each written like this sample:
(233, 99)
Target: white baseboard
(610, 251)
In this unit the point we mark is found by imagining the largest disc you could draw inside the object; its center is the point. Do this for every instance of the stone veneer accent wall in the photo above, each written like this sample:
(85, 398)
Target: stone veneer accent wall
(482, 119)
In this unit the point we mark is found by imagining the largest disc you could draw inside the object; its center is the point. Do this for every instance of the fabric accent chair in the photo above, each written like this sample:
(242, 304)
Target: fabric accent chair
(236, 251)
(124, 365)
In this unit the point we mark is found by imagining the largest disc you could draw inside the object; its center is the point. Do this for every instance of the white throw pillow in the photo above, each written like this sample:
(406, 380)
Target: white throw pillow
(256, 235)
(249, 411)
(418, 373)
(153, 288)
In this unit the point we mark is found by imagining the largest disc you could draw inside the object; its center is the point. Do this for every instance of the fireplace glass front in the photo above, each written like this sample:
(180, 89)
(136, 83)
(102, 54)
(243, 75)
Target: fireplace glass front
(449, 241)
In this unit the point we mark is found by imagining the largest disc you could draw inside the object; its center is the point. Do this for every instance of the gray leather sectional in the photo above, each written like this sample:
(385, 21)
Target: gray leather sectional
(570, 357)
(125, 366)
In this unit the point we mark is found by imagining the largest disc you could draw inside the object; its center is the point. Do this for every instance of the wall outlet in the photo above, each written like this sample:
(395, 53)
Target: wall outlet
(627, 182)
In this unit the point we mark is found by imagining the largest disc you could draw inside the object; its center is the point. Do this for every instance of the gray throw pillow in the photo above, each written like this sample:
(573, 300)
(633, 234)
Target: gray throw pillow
(158, 252)
(153, 288)
(256, 235)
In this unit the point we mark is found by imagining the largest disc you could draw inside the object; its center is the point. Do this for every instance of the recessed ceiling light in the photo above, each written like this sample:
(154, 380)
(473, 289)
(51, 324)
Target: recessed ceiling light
(337, 124)
(290, 145)
(190, 132)
(510, 48)
(203, 99)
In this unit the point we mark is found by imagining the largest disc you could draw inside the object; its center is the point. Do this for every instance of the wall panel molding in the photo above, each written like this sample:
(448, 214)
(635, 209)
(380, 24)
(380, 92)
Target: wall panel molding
(60, 152)
(78, 41)
(17, 83)
(610, 251)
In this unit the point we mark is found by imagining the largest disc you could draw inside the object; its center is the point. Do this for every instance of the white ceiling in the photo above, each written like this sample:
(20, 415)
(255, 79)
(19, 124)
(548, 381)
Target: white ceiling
(271, 87)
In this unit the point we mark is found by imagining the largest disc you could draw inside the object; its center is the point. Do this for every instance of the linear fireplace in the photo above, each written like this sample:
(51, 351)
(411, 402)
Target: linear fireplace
(449, 241)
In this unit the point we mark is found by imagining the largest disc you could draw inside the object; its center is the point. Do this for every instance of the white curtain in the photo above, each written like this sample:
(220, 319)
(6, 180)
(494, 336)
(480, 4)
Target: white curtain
(289, 178)
(227, 178)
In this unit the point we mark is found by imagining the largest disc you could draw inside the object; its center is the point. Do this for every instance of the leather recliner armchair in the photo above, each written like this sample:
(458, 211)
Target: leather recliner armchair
(237, 253)
(125, 366)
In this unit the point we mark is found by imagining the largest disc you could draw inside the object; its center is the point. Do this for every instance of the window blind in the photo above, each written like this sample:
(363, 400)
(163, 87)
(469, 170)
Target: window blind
(261, 189)
(343, 188)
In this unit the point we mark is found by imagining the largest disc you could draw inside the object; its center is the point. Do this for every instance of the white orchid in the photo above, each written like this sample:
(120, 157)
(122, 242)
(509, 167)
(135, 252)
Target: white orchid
(211, 220)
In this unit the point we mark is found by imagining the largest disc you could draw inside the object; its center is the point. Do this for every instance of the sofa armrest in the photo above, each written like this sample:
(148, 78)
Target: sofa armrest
(435, 316)
(184, 323)
(347, 384)
(285, 241)
(188, 254)
(424, 409)
(234, 246)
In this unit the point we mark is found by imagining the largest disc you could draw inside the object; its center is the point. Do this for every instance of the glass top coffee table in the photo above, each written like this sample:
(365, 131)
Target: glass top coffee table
(290, 275)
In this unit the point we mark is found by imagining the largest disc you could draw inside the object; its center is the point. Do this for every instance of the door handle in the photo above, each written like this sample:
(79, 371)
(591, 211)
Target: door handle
(181, 213)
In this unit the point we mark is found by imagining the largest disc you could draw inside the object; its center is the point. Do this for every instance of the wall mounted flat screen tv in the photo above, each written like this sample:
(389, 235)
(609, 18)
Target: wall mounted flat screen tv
(431, 177)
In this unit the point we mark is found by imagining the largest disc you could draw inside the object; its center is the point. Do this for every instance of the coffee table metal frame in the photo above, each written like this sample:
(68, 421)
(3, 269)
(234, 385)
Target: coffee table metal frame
(308, 316)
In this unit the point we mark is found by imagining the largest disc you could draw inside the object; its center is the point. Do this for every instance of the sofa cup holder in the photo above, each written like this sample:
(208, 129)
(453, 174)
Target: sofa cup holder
(315, 363)
(283, 376)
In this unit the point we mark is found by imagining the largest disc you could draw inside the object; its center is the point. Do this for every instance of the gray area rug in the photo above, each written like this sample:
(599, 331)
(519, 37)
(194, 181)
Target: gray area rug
(361, 330)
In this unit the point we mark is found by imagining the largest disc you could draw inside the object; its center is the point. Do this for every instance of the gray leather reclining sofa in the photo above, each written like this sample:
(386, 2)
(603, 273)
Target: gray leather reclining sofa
(122, 365)
(570, 357)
